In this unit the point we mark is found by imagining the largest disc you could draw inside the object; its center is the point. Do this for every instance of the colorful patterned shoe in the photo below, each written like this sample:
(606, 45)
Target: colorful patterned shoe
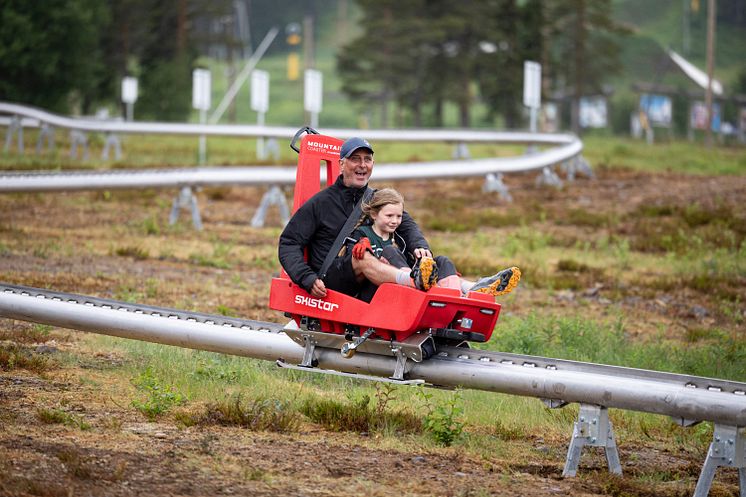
(499, 284)
(424, 273)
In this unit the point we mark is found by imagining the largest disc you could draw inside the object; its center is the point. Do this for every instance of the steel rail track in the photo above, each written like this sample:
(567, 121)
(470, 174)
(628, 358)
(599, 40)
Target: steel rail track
(596, 387)
(459, 357)
(462, 355)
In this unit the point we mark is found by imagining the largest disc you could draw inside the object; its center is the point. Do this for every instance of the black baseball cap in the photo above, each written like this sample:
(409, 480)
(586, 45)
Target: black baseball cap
(353, 144)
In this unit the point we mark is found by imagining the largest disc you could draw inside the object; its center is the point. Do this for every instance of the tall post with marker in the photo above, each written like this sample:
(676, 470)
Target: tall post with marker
(260, 104)
(313, 95)
(129, 95)
(201, 100)
(532, 90)
(532, 95)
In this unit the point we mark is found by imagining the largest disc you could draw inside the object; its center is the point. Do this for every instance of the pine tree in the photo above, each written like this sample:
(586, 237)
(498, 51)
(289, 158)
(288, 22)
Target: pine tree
(584, 47)
(49, 51)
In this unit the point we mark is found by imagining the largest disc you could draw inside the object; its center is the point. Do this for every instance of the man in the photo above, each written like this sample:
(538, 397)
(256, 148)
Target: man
(317, 223)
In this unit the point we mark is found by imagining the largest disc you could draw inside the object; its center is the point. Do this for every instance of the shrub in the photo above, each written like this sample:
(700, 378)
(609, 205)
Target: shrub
(160, 398)
(444, 422)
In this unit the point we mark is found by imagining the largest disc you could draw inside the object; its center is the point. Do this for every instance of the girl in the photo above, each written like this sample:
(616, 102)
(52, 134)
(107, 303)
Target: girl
(377, 235)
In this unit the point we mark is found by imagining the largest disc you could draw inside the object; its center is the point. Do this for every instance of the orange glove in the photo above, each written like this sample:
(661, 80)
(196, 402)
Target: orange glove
(358, 251)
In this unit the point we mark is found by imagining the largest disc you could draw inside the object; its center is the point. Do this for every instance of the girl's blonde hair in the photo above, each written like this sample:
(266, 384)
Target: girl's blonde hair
(381, 198)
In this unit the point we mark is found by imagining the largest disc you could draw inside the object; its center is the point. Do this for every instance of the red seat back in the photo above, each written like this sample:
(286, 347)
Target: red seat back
(315, 150)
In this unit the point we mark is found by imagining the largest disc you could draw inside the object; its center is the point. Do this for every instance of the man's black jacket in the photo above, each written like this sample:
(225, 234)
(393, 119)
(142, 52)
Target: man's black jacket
(316, 224)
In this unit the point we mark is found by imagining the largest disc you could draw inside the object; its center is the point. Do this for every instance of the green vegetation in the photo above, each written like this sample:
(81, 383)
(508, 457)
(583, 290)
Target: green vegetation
(138, 253)
(444, 422)
(159, 397)
(58, 416)
(707, 352)
(13, 356)
(258, 414)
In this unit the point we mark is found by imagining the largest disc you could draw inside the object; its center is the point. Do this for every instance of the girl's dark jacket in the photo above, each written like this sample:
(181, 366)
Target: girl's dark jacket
(315, 226)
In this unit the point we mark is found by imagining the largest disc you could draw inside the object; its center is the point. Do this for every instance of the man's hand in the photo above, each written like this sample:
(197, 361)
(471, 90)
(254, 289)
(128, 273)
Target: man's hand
(358, 251)
(420, 252)
(318, 289)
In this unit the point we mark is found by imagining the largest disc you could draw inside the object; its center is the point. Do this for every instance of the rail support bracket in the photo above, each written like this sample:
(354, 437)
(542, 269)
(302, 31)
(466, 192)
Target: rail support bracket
(186, 199)
(78, 138)
(461, 151)
(308, 352)
(401, 361)
(273, 196)
(493, 182)
(14, 127)
(46, 133)
(112, 141)
(592, 428)
(576, 165)
(549, 178)
(728, 449)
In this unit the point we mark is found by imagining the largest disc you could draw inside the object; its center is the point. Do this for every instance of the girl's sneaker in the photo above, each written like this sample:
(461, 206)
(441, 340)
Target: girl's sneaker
(424, 273)
(498, 284)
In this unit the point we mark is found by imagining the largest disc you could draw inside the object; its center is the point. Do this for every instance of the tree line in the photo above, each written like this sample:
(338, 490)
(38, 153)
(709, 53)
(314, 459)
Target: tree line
(422, 54)
(409, 59)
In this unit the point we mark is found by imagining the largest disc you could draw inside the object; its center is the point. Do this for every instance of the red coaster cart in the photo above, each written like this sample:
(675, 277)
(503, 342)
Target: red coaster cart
(399, 321)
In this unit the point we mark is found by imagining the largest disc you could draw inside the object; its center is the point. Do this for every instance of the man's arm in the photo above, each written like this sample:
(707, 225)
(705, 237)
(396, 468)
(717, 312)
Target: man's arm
(293, 241)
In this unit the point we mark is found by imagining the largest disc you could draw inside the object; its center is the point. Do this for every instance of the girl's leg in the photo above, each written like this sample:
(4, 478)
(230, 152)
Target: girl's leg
(394, 257)
(447, 275)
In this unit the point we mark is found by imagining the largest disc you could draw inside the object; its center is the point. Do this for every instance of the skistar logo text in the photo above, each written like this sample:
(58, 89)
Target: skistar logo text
(315, 303)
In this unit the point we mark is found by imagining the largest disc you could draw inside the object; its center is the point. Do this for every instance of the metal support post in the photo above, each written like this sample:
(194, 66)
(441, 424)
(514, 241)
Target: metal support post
(202, 139)
(592, 428)
(568, 167)
(728, 449)
(401, 362)
(576, 165)
(271, 147)
(308, 352)
(78, 138)
(45, 132)
(461, 151)
(112, 140)
(493, 182)
(583, 167)
(14, 126)
(549, 178)
(186, 199)
(273, 196)
(261, 154)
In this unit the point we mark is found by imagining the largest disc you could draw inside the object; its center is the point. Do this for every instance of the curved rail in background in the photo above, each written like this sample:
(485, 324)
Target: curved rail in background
(21, 181)
(688, 399)
(565, 149)
(247, 130)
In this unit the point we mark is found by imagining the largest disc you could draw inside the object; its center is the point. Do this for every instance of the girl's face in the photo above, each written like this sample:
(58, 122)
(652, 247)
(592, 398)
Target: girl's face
(388, 218)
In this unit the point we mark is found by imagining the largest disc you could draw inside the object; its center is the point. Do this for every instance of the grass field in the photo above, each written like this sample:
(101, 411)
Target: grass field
(643, 266)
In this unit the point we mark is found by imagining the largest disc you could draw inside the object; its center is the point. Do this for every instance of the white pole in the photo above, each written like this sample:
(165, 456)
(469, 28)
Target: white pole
(533, 119)
(202, 139)
(260, 152)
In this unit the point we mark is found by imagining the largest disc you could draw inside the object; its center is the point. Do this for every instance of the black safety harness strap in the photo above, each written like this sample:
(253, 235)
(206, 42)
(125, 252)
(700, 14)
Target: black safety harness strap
(345, 232)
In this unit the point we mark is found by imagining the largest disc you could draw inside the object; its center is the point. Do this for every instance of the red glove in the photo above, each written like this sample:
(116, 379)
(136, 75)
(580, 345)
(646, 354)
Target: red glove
(358, 251)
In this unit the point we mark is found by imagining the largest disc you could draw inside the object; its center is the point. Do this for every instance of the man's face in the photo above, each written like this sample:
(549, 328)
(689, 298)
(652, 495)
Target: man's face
(357, 168)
